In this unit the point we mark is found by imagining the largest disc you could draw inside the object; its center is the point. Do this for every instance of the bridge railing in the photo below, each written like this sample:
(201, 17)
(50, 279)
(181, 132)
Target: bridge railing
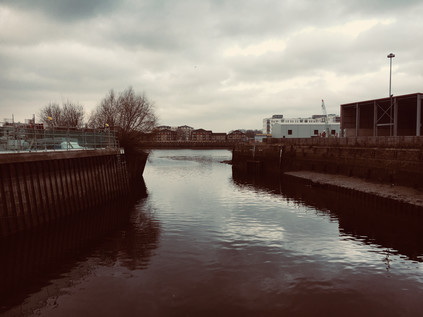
(17, 137)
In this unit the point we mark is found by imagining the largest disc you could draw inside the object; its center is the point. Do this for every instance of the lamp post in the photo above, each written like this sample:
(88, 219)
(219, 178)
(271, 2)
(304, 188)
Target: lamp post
(390, 56)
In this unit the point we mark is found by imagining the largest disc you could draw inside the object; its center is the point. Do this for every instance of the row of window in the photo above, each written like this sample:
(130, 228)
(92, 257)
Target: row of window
(316, 132)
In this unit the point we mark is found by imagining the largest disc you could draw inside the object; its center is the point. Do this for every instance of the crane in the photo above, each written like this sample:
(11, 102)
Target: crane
(325, 118)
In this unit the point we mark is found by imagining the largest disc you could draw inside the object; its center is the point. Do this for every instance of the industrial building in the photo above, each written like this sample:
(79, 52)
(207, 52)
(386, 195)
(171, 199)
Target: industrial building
(316, 126)
(268, 123)
(391, 116)
(305, 130)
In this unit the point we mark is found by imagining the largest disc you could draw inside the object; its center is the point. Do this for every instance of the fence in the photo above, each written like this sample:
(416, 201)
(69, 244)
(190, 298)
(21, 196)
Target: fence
(18, 137)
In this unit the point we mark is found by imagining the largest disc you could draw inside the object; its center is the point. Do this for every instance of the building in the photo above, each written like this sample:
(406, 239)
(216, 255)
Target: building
(304, 129)
(164, 127)
(237, 136)
(315, 126)
(183, 133)
(219, 137)
(268, 123)
(164, 135)
(396, 116)
(201, 135)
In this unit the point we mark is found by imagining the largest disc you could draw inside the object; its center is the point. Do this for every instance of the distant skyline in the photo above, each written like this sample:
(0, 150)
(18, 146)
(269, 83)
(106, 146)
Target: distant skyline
(216, 65)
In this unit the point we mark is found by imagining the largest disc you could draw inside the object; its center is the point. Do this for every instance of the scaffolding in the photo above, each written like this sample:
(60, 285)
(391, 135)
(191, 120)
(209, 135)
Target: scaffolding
(27, 137)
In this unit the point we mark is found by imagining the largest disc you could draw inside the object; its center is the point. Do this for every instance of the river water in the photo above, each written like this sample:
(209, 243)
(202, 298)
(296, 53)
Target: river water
(204, 240)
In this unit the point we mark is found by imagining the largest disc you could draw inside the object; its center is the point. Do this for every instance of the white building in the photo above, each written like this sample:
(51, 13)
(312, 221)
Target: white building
(269, 122)
(315, 126)
(302, 130)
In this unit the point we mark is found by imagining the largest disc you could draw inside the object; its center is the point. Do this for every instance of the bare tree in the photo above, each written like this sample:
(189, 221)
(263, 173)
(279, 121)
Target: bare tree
(136, 112)
(252, 133)
(106, 113)
(51, 114)
(68, 115)
(128, 112)
(131, 115)
(73, 115)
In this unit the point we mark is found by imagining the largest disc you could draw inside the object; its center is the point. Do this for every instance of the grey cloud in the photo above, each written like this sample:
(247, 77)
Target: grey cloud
(372, 7)
(63, 10)
(175, 52)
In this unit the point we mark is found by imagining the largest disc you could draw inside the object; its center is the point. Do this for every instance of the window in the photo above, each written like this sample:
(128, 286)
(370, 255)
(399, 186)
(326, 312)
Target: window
(289, 132)
(316, 132)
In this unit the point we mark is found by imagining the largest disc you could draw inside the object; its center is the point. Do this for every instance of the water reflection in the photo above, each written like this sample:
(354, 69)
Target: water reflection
(394, 227)
(209, 242)
(118, 232)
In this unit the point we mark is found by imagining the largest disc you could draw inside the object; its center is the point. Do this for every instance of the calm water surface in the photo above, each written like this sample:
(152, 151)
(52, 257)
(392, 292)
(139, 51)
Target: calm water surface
(207, 241)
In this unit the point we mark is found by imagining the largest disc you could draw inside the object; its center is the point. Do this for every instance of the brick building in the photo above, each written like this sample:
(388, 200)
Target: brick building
(201, 135)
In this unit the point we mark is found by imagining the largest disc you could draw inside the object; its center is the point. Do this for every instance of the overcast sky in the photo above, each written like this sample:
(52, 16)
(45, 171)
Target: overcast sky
(213, 64)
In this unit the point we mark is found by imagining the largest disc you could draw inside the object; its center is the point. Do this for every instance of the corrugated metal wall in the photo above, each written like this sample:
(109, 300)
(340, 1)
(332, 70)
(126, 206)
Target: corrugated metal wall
(35, 189)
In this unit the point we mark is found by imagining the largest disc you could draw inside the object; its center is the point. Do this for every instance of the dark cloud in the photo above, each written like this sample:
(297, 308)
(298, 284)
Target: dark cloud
(63, 10)
(214, 64)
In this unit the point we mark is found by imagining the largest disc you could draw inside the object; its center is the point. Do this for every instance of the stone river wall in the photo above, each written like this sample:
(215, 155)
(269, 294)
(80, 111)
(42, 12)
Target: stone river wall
(394, 160)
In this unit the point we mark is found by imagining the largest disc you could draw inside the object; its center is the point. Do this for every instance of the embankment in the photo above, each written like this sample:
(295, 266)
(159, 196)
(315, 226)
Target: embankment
(389, 160)
(36, 188)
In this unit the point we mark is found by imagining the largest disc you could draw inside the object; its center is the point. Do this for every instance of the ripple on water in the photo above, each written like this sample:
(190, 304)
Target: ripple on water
(205, 241)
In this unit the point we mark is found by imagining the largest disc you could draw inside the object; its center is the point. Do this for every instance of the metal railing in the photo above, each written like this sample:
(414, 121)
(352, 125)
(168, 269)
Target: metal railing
(18, 137)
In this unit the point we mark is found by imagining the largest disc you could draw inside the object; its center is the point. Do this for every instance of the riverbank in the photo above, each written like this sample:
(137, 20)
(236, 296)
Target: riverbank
(408, 195)
(37, 188)
(210, 241)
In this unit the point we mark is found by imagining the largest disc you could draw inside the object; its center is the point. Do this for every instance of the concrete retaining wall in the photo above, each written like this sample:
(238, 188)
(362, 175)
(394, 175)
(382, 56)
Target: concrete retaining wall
(36, 188)
(389, 160)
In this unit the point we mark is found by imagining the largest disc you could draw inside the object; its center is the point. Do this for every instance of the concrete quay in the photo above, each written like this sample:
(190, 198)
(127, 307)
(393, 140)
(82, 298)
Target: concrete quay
(403, 194)
(390, 167)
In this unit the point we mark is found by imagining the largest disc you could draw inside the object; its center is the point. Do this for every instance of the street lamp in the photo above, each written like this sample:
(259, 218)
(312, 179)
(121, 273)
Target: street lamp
(392, 122)
(390, 56)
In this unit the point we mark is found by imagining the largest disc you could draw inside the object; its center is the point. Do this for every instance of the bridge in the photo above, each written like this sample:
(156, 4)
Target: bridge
(188, 144)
